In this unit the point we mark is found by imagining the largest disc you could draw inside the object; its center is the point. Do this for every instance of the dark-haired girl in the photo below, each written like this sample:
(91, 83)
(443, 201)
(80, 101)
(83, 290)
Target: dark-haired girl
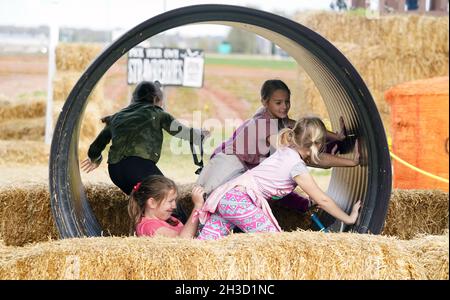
(136, 135)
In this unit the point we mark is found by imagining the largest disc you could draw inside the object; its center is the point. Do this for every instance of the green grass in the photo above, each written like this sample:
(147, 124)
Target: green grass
(180, 166)
(361, 12)
(33, 95)
(283, 64)
(320, 172)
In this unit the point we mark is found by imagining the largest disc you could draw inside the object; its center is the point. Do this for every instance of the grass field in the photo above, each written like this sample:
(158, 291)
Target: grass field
(251, 62)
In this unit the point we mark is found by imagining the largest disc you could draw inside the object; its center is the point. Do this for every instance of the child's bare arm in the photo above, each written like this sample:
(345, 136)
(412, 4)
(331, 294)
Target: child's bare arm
(164, 231)
(308, 185)
(327, 160)
(191, 226)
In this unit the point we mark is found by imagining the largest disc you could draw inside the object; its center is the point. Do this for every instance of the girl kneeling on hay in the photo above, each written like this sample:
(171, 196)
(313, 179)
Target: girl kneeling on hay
(152, 203)
(243, 201)
(251, 143)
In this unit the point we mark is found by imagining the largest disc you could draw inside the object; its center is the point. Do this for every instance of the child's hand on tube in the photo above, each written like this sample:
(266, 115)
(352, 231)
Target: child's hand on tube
(355, 212)
(197, 196)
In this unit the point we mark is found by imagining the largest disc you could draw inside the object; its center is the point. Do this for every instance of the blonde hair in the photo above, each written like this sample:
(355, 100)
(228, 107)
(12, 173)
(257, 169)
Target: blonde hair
(308, 132)
(154, 186)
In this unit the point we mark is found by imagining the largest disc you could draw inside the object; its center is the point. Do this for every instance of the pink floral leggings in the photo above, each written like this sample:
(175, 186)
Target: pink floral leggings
(236, 208)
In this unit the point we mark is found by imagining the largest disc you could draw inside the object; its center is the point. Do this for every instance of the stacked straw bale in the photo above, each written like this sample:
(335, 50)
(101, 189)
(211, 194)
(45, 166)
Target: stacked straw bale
(108, 203)
(386, 51)
(22, 110)
(26, 215)
(110, 207)
(23, 152)
(23, 129)
(75, 56)
(71, 60)
(22, 120)
(288, 255)
(415, 212)
(404, 33)
(65, 81)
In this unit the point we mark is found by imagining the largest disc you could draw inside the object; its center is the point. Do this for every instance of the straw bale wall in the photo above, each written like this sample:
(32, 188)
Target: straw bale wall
(64, 82)
(426, 34)
(76, 56)
(20, 129)
(385, 51)
(414, 212)
(26, 215)
(22, 110)
(23, 152)
(288, 255)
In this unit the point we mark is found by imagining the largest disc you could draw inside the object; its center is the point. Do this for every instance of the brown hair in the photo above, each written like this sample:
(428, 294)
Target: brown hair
(308, 132)
(147, 91)
(154, 186)
(270, 86)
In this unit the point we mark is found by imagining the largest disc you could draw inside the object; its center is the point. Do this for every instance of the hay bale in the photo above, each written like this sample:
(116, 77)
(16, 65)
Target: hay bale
(426, 248)
(64, 82)
(23, 129)
(76, 56)
(415, 212)
(24, 206)
(378, 66)
(385, 51)
(91, 124)
(22, 110)
(23, 152)
(408, 33)
(293, 255)
(108, 203)
(25, 214)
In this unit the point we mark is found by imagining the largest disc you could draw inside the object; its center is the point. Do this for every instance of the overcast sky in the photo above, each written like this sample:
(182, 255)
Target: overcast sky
(125, 14)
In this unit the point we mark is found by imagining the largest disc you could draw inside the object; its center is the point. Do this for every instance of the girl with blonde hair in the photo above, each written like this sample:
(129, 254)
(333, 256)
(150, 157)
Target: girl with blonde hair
(243, 201)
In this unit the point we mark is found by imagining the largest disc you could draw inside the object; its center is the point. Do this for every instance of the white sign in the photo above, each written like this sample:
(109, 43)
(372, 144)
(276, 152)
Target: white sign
(170, 66)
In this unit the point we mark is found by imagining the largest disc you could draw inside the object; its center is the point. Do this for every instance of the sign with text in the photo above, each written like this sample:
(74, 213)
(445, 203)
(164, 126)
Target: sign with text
(170, 66)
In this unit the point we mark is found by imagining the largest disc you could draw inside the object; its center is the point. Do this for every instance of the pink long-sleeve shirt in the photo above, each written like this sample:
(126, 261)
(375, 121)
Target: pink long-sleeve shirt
(273, 177)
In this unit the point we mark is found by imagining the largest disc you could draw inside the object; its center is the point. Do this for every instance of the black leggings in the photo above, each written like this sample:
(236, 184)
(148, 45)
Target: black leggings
(131, 170)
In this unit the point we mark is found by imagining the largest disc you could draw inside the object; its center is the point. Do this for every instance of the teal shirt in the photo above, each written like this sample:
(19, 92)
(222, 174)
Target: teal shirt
(137, 130)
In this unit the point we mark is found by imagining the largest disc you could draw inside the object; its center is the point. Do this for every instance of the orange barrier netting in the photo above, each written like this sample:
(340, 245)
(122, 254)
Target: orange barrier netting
(420, 132)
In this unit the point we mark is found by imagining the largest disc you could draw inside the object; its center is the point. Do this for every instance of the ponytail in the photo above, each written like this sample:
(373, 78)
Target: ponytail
(286, 137)
(308, 132)
(106, 120)
(135, 211)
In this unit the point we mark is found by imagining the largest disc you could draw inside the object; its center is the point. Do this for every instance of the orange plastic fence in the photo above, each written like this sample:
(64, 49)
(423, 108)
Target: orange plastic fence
(420, 126)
